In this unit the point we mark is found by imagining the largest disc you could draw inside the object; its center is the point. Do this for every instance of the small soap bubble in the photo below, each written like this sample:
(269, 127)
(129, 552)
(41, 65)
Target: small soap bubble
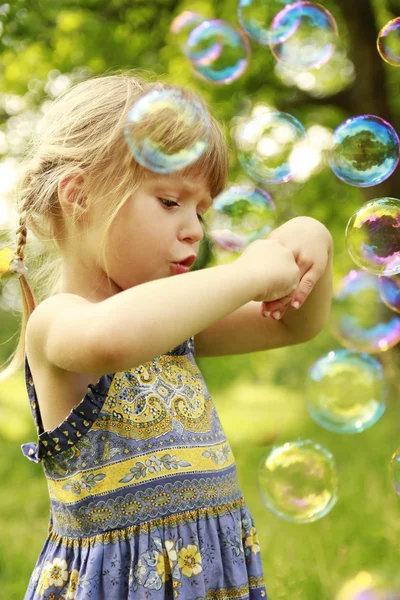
(370, 586)
(218, 51)
(373, 236)
(359, 319)
(389, 288)
(183, 24)
(388, 42)
(165, 132)
(313, 36)
(394, 470)
(265, 145)
(239, 215)
(346, 391)
(256, 16)
(298, 481)
(364, 151)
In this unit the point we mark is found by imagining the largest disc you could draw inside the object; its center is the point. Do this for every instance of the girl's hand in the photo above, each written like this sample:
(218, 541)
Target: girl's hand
(310, 241)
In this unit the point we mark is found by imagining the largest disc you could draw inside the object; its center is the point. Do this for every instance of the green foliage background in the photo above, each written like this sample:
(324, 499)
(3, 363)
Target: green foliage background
(260, 397)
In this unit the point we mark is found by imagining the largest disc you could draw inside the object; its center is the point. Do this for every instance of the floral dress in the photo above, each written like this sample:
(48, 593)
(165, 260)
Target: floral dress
(145, 502)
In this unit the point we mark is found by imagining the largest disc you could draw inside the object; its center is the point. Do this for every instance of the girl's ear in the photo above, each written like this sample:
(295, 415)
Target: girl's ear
(71, 194)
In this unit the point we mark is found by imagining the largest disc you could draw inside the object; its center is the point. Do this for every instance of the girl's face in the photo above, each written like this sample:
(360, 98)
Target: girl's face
(159, 225)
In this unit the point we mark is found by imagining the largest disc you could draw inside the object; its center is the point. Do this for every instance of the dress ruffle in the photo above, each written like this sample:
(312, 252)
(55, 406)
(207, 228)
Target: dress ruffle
(199, 559)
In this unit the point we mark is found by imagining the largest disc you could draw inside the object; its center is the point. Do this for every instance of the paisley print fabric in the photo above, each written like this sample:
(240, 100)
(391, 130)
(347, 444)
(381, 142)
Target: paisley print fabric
(145, 501)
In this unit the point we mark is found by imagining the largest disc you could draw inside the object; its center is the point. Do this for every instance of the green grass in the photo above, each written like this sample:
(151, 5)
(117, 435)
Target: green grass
(301, 561)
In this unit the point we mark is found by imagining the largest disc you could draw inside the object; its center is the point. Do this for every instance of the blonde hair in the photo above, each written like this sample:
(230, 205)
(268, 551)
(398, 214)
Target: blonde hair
(83, 130)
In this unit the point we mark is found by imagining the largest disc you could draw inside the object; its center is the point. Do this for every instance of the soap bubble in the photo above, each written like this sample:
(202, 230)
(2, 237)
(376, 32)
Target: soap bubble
(298, 481)
(389, 288)
(388, 42)
(394, 470)
(346, 391)
(265, 145)
(359, 319)
(183, 24)
(239, 215)
(313, 38)
(370, 586)
(373, 236)
(364, 151)
(218, 51)
(255, 17)
(165, 132)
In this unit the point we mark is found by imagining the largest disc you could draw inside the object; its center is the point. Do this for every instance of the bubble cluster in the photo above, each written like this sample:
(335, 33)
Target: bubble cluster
(364, 151)
(389, 288)
(346, 391)
(312, 38)
(218, 51)
(265, 144)
(388, 42)
(359, 319)
(241, 214)
(298, 481)
(256, 16)
(165, 132)
(373, 236)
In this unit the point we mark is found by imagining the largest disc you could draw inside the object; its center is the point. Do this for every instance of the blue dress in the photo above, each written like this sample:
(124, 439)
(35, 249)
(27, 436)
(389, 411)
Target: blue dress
(145, 502)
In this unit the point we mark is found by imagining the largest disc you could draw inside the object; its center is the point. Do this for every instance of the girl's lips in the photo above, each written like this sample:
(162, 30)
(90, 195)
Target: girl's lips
(180, 268)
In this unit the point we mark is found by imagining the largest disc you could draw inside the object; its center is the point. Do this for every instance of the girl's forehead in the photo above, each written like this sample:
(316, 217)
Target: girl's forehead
(190, 184)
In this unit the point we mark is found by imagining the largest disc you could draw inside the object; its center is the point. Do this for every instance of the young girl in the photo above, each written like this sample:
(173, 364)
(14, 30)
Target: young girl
(144, 496)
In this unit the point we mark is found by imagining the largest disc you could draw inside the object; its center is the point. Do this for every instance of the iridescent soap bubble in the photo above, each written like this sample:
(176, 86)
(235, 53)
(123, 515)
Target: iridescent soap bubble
(218, 51)
(165, 132)
(298, 481)
(346, 391)
(373, 236)
(394, 470)
(265, 144)
(359, 319)
(183, 24)
(239, 215)
(389, 288)
(313, 37)
(370, 586)
(388, 42)
(256, 16)
(364, 151)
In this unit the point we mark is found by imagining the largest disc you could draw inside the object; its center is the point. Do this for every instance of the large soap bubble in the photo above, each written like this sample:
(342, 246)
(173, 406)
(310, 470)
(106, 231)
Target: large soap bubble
(359, 319)
(370, 586)
(239, 215)
(265, 144)
(388, 42)
(313, 35)
(298, 481)
(346, 391)
(165, 132)
(364, 151)
(256, 16)
(389, 288)
(218, 51)
(373, 236)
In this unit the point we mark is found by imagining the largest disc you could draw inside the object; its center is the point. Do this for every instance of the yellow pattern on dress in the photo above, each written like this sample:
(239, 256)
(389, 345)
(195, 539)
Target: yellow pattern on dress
(109, 478)
(168, 392)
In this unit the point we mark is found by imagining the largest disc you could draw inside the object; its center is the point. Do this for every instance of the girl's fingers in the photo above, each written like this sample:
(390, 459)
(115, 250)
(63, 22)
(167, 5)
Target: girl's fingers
(275, 309)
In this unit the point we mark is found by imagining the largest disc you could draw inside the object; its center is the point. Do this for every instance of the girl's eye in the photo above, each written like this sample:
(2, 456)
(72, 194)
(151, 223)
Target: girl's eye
(163, 200)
